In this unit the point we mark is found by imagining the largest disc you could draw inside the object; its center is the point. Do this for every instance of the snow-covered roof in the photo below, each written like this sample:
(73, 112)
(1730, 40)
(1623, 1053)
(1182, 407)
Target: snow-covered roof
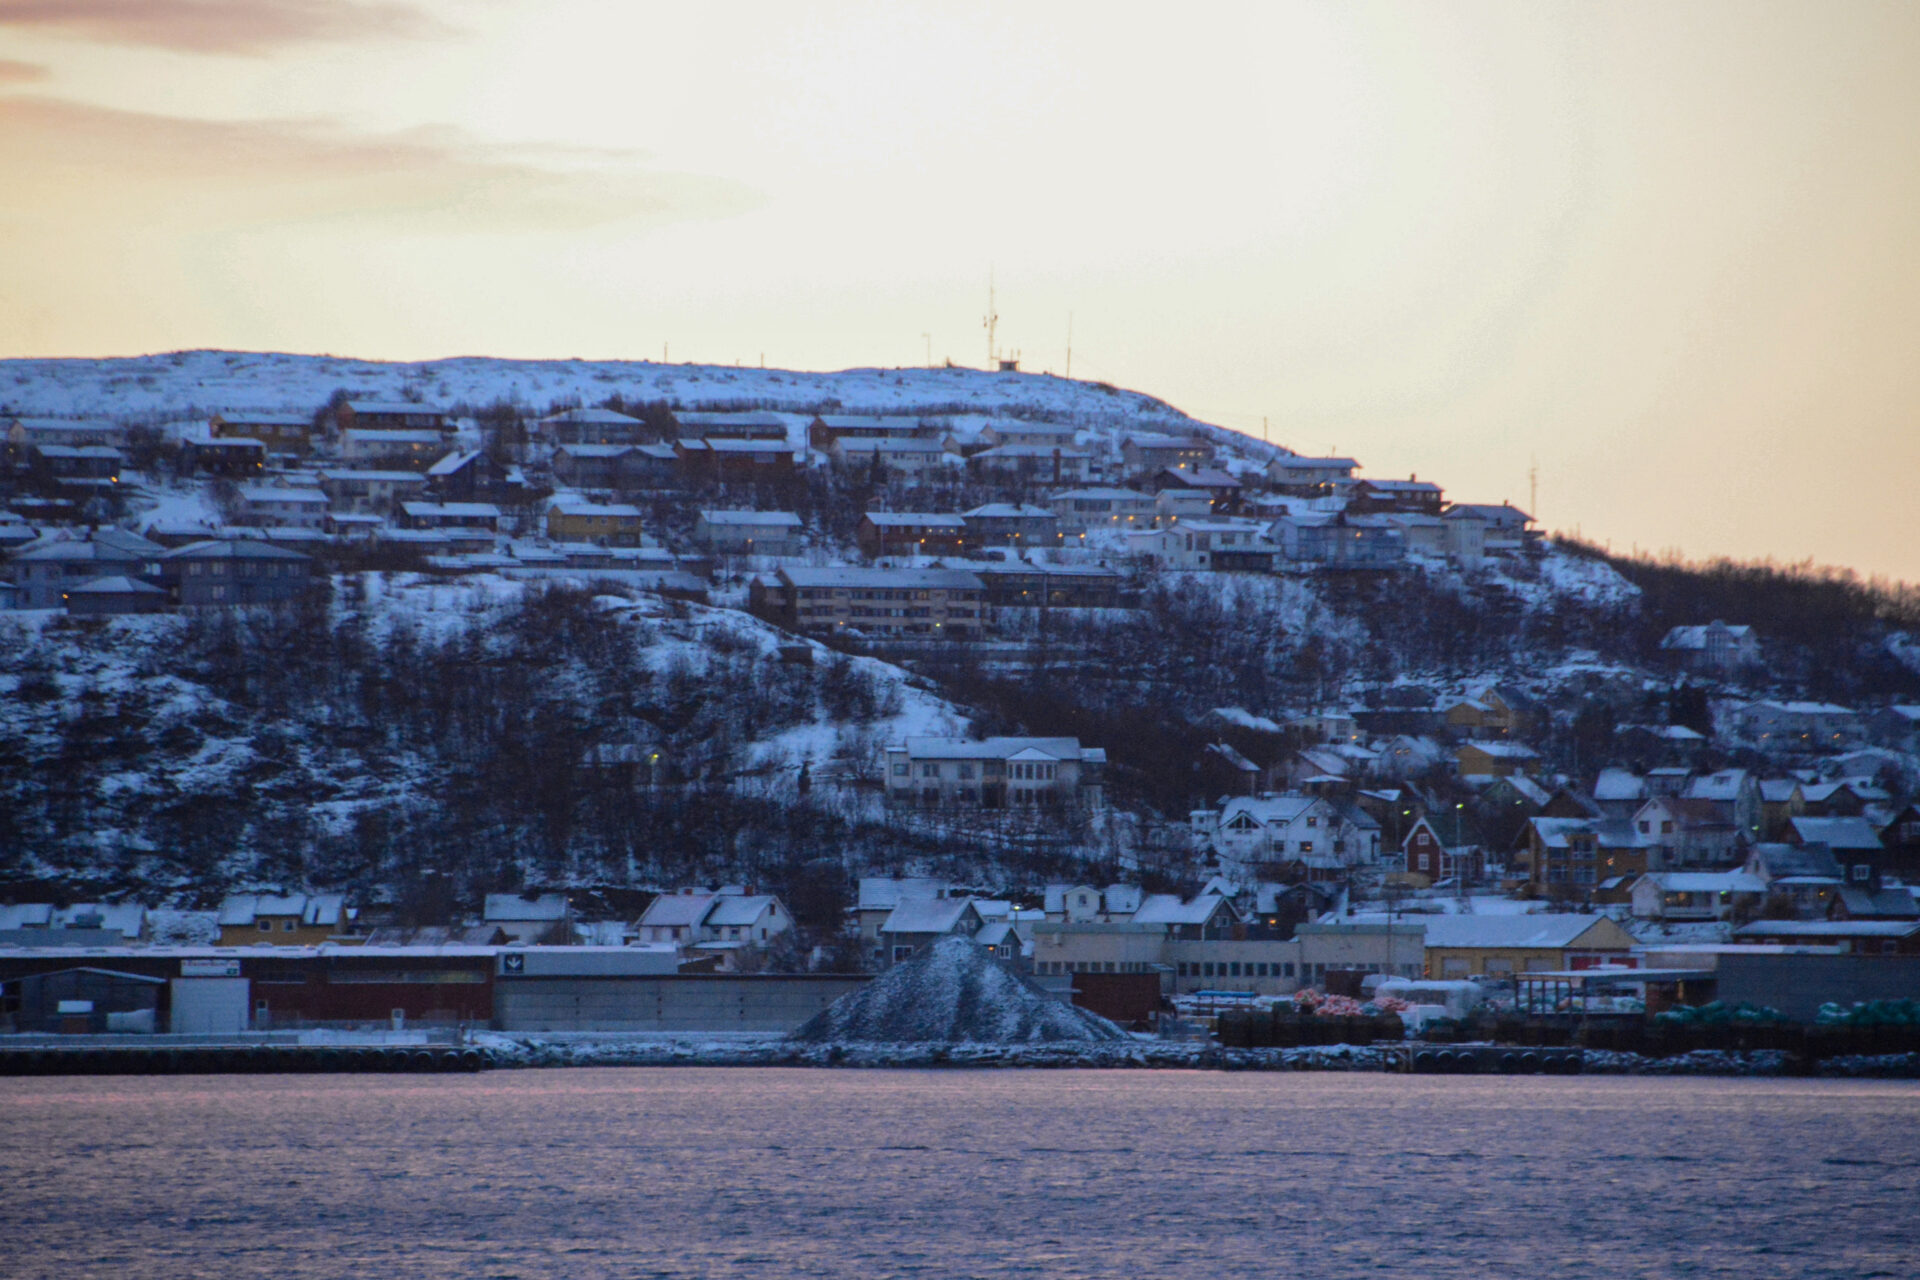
(317, 909)
(1001, 749)
(850, 576)
(883, 893)
(914, 520)
(1123, 899)
(453, 462)
(232, 549)
(1727, 784)
(571, 505)
(1509, 931)
(751, 519)
(1837, 833)
(740, 909)
(241, 418)
(1170, 909)
(393, 407)
(1019, 451)
(927, 915)
(678, 910)
(1705, 882)
(1009, 511)
(276, 493)
(888, 444)
(1503, 750)
(397, 435)
(117, 585)
(591, 417)
(1268, 810)
(471, 510)
(513, 907)
(855, 421)
(1818, 929)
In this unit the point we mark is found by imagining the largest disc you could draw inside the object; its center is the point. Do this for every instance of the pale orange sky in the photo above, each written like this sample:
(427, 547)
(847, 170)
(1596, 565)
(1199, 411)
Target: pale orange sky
(1669, 251)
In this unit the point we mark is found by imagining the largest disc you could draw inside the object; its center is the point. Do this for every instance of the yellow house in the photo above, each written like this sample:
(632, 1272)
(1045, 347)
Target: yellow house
(1500, 946)
(1488, 714)
(1495, 759)
(614, 524)
(282, 920)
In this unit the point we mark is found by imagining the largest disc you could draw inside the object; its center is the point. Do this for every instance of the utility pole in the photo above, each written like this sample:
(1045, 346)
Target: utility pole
(1533, 489)
(1069, 344)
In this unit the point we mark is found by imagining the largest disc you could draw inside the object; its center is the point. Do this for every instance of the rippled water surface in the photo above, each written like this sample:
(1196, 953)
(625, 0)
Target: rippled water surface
(714, 1172)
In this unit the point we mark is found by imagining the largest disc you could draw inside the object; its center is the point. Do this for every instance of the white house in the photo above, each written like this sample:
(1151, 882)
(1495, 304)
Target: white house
(766, 533)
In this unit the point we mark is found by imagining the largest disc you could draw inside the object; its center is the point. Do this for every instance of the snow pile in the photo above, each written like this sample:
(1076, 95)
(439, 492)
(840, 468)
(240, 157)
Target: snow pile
(953, 992)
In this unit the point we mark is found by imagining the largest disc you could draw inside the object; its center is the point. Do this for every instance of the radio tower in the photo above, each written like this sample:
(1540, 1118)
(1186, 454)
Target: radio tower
(992, 323)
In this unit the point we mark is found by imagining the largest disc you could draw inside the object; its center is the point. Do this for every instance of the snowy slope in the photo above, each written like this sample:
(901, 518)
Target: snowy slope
(193, 383)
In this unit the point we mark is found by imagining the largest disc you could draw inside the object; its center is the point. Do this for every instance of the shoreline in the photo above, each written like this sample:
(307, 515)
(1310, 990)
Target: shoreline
(527, 1051)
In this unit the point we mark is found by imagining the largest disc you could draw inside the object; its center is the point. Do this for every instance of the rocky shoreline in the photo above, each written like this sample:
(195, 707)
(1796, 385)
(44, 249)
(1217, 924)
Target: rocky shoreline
(666, 1051)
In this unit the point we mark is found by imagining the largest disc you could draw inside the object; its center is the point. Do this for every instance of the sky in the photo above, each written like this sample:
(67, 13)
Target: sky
(1658, 264)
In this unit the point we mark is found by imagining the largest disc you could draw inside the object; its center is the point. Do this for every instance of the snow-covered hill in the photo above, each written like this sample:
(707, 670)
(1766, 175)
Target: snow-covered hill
(190, 384)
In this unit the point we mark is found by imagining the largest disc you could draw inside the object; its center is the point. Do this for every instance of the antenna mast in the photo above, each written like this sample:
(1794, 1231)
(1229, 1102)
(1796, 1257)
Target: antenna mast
(1069, 344)
(993, 323)
(1533, 489)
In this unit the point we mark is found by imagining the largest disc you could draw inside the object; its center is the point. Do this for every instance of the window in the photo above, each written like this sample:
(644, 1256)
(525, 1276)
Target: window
(900, 770)
(1423, 861)
(1861, 871)
(266, 926)
(929, 770)
(288, 926)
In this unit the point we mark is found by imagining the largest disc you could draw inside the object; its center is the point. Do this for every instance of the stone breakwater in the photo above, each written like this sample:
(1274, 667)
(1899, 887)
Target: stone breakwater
(692, 1051)
(537, 1051)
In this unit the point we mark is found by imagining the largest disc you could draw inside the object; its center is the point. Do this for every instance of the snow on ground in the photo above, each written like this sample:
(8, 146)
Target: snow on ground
(1585, 578)
(196, 383)
(953, 992)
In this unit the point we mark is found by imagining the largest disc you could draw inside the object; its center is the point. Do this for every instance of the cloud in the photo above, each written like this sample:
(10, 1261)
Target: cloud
(97, 162)
(222, 26)
(12, 72)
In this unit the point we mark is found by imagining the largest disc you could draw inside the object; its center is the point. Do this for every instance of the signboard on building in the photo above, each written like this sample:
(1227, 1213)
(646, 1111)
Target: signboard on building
(209, 968)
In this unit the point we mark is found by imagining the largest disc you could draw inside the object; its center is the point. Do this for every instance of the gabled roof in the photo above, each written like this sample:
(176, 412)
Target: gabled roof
(928, 915)
(1268, 810)
(851, 576)
(883, 893)
(752, 519)
(915, 520)
(1169, 909)
(515, 907)
(740, 909)
(1001, 749)
(1812, 863)
(1839, 834)
(678, 910)
(117, 585)
(1502, 750)
(1705, 882)
(316, 909)
(394, 406)
(1544, 931)
(592, 417)
(1726, 784)
(233, 549)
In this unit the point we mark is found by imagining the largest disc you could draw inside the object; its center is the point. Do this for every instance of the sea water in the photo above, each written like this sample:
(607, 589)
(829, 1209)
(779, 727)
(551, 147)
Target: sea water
(705, 1172)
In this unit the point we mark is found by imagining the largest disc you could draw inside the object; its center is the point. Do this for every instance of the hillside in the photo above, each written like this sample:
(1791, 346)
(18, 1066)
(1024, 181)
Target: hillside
(425, 732)
(194, 384)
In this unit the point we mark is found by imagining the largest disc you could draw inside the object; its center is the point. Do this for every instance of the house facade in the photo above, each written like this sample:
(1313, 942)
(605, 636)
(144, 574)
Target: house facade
(1019, 774)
